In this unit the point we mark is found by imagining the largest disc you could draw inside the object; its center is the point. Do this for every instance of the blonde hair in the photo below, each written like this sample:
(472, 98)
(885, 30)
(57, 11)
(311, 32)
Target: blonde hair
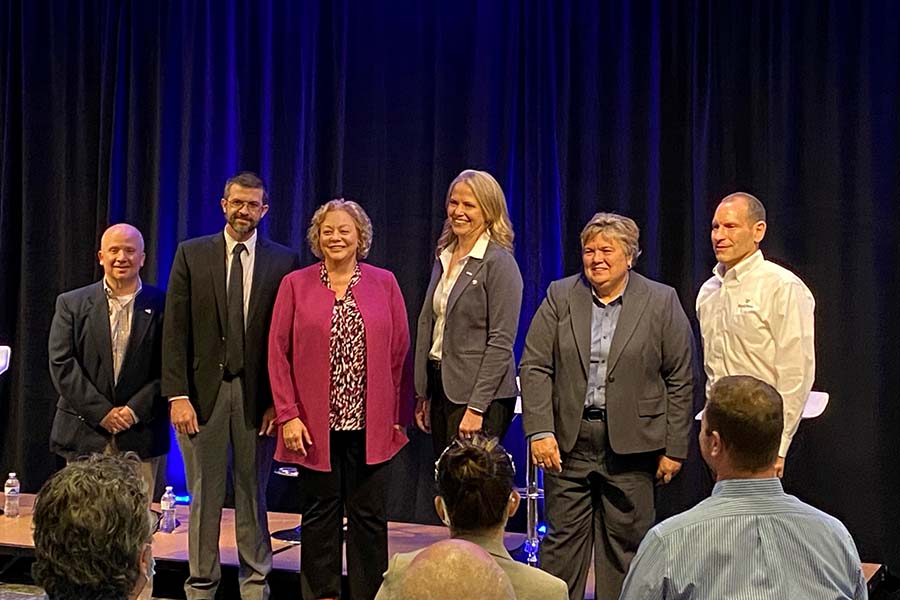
(360, 219)
(492, 202)
(622, 229)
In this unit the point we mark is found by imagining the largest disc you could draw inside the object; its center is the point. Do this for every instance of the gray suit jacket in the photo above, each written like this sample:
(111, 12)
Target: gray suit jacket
(529, 583)
(477, 362)
(649, 379)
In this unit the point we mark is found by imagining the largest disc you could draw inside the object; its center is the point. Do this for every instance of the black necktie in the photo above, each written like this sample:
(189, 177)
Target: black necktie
(234, 348)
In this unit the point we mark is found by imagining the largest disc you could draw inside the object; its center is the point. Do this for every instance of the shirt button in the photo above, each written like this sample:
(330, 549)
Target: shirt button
(611, 378)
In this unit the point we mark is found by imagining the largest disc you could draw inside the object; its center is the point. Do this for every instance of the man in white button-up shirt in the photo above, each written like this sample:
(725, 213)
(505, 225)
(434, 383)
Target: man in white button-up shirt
(756, 317)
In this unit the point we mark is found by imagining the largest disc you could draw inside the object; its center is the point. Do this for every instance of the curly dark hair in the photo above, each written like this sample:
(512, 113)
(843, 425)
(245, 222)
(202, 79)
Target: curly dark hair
(91, 520)
(475, 478)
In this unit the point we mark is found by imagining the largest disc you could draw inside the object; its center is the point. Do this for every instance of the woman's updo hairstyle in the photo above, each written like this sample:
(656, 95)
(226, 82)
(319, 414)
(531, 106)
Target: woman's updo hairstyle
(475, 478)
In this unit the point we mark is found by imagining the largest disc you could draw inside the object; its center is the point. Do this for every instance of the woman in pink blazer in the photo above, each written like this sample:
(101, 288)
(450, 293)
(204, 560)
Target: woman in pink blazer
(337, 348)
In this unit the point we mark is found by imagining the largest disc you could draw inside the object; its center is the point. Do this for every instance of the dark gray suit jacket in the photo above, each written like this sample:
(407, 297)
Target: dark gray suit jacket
(196, 313)
(649, 379)
(477, 363)
(81, 367)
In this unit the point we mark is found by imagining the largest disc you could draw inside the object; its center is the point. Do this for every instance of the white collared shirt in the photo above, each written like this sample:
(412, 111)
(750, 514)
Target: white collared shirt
(757, 319)
(248, 260)
(445, 286)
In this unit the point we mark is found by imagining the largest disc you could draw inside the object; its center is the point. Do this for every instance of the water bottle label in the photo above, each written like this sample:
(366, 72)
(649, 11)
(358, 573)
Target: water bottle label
(165, 504)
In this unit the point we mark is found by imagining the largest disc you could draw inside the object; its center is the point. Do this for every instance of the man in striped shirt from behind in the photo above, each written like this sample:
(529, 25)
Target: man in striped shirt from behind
(749, 540)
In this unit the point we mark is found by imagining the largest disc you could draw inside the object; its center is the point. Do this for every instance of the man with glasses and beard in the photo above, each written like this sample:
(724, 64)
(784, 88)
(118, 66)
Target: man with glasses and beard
(218, 306)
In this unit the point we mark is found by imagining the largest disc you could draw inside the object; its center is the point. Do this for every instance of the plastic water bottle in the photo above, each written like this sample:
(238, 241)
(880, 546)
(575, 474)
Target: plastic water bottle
(11, 492)
(167, 506)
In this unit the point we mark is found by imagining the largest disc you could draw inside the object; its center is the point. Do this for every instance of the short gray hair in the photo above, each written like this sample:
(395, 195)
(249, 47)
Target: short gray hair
(356, 212)
(616, 227)
(91, 521)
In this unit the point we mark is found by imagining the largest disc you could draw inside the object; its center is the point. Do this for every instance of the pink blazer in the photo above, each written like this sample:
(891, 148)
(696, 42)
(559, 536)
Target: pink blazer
(299, 366)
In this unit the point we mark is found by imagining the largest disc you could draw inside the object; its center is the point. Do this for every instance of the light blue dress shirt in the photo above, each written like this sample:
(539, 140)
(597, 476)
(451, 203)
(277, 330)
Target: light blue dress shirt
(748, 541)
(604, 318)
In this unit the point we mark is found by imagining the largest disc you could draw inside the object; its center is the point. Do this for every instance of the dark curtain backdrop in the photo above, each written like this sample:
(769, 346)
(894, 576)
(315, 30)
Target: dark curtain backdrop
(115, 110)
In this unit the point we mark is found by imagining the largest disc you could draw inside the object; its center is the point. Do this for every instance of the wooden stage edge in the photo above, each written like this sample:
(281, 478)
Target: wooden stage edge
(16, 539)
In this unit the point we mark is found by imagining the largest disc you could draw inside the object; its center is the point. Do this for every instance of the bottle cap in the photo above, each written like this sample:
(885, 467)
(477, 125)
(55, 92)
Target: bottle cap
(12, 475)
(168, 488)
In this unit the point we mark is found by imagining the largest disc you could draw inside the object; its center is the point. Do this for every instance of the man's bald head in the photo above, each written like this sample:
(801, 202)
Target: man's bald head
(454, 569)
(121, 255)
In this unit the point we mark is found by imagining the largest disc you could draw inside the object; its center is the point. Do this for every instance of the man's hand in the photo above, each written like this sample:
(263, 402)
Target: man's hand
(423, 414)
(470, 424)
(779, 467)
(295, 435)
(269, 426)
(545, 454)
(667, 468)
(183, 416)
(117, 420)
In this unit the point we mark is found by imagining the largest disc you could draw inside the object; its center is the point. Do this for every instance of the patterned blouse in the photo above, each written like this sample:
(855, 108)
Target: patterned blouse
(348, 360)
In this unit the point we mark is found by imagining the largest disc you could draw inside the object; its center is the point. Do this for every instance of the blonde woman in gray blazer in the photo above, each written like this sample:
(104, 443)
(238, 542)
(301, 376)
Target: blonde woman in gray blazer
(465, 370)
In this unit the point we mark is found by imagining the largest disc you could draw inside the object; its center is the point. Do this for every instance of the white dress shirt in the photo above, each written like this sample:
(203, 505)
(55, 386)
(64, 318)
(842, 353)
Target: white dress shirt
(445, 286)
(757, 319)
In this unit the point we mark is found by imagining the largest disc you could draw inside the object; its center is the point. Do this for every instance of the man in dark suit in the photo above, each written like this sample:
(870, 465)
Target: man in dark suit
(606, 387)
(219, 302)
(105, 356)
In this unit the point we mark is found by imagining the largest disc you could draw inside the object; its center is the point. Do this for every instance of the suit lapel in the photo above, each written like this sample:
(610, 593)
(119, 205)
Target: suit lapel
(581, 309)
(217, 273)
(141, 316)
(468, 274)
(99, 319)
(634, 301)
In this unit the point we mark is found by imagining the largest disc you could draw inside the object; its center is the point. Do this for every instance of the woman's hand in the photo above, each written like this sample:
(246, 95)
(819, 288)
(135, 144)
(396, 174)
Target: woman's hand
(423, 414)
(296, 436)
(470, 424)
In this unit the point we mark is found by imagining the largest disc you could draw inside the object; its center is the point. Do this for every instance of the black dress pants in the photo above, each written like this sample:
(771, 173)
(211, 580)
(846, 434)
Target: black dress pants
(446, 415)
(360, 489)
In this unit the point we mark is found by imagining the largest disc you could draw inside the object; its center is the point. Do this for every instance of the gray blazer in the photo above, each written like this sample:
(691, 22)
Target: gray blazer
(477, 362)
(649, 378)
(528, 583)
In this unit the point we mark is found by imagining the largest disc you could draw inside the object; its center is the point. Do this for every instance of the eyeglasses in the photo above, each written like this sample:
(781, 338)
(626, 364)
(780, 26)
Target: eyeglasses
(478, 441)
(239, 204)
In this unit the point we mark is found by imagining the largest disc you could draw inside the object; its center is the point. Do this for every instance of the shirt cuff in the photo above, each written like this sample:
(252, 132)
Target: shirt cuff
(541, 435)
(479, 411)
(174, 398)
(133, 414)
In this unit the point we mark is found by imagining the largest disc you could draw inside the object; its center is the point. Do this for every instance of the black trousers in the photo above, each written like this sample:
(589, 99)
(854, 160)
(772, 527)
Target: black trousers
(360, 489)
(446, 416)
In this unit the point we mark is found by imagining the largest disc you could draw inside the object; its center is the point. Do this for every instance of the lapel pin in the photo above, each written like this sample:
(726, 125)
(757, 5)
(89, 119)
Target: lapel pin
(469, 273)
(147, 310)
(474, 282)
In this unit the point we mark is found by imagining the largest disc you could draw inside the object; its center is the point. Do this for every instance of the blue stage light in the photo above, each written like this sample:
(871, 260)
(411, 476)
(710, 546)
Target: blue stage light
(542, 529)
(183, 499)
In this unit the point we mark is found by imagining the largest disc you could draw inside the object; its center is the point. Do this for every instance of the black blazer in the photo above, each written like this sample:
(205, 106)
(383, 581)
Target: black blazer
(81, 367)
(196, 312)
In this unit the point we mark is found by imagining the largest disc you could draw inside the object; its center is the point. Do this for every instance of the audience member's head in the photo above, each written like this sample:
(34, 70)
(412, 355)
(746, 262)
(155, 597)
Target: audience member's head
(741, 428)
(92, 531)
(453, 569)
(475, 485)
